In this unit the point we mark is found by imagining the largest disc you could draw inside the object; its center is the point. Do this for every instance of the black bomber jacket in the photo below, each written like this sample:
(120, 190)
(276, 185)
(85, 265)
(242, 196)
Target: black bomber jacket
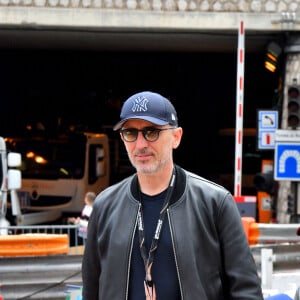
(213, 258)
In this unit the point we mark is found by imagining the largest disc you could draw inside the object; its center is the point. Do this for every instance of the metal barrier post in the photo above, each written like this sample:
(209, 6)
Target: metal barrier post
(266, 268)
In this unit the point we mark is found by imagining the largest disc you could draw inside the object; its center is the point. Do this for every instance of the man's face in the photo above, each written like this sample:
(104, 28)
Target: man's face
(151, 156)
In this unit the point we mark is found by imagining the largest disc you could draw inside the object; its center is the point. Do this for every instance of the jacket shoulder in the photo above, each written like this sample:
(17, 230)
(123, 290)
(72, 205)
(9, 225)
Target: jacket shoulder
(202, 182)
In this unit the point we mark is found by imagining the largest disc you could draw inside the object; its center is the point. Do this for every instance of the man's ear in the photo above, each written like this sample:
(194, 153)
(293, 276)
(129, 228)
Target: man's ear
(177, 137)
(121, 136)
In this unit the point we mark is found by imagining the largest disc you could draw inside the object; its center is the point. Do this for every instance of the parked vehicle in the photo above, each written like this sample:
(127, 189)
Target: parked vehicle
(57, 171)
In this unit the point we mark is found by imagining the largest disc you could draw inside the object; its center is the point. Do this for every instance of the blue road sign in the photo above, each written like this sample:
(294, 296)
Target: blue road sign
(287, 161)
(267, 125)
(268, 119)
(266, 139)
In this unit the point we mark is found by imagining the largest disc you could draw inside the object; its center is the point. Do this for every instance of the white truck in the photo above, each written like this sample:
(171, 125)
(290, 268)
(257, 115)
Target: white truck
(57, 171)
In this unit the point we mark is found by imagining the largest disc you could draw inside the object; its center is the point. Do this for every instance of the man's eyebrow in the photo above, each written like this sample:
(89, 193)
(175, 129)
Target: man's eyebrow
(144, 128)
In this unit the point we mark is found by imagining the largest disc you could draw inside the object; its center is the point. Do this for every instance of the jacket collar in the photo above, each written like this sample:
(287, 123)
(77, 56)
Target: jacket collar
(179, 185)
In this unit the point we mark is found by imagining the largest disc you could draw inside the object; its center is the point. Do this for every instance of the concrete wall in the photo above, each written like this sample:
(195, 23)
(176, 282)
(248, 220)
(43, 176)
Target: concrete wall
(264, 15)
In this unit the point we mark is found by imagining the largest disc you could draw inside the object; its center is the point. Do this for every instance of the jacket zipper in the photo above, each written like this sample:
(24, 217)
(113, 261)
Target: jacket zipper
(175, 254)
(130, 253)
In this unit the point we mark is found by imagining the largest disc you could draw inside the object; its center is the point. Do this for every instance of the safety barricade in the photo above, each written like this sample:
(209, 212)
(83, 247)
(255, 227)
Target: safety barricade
(258, 233)
(37, 240)
(33, 244)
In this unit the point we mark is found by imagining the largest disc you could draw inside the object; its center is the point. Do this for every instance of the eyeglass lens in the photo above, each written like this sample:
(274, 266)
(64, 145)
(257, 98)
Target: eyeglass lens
(149, 134)
(131, 134)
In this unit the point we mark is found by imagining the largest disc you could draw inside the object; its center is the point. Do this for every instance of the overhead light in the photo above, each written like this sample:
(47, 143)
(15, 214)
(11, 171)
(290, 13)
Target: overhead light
(272, 55)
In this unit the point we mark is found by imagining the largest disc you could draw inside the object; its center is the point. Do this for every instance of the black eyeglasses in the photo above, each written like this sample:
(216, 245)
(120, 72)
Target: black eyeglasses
(149, 134)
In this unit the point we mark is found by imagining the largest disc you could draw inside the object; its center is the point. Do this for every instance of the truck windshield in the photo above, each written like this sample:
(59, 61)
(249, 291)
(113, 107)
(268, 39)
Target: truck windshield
(51, 158)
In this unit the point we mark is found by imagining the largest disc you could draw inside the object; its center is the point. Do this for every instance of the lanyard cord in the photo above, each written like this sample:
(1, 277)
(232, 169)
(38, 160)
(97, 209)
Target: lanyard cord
(148, 259)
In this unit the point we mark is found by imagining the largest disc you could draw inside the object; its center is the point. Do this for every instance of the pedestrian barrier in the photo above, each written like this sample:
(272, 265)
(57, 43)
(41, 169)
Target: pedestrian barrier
(258, 233)
(38, 240)
(33, 244)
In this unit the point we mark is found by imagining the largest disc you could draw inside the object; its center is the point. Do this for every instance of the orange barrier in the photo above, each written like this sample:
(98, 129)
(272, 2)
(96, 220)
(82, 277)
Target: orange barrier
(251, 230)
(34, 244)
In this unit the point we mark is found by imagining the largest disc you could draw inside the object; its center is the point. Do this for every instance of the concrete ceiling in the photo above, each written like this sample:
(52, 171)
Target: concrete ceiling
(113, 40)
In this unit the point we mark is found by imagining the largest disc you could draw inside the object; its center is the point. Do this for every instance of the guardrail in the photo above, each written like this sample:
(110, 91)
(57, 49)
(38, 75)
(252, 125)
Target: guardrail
(285, 256)
(263, 233)
(278, 266)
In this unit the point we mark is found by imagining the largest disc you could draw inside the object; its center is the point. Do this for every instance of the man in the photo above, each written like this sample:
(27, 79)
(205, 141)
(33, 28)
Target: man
(164, 233)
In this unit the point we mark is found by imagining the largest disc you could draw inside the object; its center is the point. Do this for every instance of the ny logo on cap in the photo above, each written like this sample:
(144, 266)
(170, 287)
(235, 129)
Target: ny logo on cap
(140, 104)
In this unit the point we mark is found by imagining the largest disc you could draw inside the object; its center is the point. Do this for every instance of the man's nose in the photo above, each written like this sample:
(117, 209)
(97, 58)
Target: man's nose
(140, 140)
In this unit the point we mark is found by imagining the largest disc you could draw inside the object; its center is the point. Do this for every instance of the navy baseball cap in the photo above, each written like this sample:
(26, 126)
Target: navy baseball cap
(148, 106)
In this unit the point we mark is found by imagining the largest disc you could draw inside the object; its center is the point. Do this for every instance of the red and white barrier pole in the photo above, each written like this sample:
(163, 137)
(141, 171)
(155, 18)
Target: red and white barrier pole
(239, 112)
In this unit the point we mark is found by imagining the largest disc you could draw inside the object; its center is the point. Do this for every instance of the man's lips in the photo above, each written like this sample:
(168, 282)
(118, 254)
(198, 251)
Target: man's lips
(143, 156)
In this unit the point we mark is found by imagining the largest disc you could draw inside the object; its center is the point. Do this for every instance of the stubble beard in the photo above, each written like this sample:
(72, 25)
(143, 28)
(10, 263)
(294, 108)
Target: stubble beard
(148, 168)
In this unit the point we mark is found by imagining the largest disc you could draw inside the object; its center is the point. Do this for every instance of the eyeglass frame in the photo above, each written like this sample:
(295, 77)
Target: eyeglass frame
(144, 133)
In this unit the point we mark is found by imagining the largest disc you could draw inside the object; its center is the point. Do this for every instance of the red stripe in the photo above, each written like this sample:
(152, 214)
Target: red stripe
(242, 28)
(239, 164)
(241, 83)
(239, 137)
(240, 110)
(238, 190)
(241, 55)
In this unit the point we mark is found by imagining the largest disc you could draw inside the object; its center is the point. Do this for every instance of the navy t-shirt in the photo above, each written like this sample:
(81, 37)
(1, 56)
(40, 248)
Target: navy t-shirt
(164, 274)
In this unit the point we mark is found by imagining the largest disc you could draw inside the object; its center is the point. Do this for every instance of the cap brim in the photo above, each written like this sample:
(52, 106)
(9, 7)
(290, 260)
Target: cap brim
(155, 121)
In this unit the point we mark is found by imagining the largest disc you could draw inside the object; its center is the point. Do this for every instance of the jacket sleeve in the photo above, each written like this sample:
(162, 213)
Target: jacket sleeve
(91, 263)
(240, 278)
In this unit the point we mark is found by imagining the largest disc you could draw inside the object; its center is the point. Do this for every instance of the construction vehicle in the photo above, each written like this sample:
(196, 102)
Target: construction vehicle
(57, 171)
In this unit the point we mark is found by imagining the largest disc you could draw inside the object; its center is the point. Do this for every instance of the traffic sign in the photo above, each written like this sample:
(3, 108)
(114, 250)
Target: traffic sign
(268, 119)
(266, 140)
(267, 125)
(287, 161)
